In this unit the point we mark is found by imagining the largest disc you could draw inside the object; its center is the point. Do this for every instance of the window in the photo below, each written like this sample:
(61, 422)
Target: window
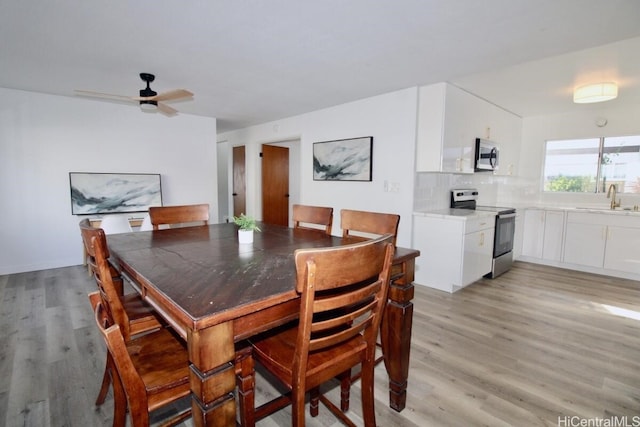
(592, 165)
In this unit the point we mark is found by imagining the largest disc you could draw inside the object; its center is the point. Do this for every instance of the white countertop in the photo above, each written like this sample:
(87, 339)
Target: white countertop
(458, 214)
(617, 211)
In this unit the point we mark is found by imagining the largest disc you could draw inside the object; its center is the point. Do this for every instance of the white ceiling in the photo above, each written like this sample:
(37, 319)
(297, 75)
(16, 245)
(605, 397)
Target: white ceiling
(253, 61)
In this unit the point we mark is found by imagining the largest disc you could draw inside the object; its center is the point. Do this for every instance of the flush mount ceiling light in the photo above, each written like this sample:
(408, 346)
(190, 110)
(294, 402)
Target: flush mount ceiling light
(598, 92)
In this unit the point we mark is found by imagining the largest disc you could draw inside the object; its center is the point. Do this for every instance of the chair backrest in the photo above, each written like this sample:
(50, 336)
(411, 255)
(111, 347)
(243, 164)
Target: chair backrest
(114, 224)
(306, 217)
(128, 376)
(107, 278)
(368, 223)
(185, 214)
(344, 291)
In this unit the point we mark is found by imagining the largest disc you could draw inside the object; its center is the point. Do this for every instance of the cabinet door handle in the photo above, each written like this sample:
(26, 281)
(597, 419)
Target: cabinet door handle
(481, 239)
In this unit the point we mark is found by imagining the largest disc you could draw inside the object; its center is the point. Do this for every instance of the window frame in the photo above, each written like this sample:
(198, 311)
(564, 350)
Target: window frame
(602, 150)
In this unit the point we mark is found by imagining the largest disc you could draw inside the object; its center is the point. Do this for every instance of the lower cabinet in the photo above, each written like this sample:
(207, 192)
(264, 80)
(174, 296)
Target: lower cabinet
(585, 243)
(622, 252)
(454, 252)
(607, 241)
(543, 234)
(477, 256)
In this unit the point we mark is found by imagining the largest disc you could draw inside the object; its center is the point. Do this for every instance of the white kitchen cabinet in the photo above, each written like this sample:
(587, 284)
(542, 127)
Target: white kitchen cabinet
(478, 255)
(622, 252)
(585, 243)
(454, 251)
(543, 234)
(602, 240)
(593, 240)
(450, 120)
(533, 233)
(553, 235)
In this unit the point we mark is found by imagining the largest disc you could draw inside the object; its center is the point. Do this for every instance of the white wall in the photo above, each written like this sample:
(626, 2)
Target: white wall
(579, 124)
(44, 137)
(389, 118)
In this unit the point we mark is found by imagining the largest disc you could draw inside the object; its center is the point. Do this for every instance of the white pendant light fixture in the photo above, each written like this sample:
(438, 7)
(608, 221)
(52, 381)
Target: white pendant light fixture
(597, 92)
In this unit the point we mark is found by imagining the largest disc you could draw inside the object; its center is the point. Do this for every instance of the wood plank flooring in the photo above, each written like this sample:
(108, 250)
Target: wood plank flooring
(534, 347)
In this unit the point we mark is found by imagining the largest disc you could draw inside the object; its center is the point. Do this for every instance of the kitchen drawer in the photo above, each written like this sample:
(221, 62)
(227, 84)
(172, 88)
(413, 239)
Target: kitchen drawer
(481, 223)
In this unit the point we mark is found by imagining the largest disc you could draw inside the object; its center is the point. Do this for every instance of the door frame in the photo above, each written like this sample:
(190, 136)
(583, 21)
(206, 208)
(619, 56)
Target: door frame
(253, 170)
(295, 176)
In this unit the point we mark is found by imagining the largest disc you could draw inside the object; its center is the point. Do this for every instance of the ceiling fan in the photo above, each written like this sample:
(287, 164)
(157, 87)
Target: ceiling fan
(148, 99)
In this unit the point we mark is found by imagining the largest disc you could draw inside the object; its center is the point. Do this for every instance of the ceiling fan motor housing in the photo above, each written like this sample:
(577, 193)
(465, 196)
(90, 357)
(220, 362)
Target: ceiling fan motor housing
(147, 92)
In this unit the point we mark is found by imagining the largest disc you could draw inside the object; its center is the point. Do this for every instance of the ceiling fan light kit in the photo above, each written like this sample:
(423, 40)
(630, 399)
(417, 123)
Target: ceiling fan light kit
(148, 105)
(598, 92)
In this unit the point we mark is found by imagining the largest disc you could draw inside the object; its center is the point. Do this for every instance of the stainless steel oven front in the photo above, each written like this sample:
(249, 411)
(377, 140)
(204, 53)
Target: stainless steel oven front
(503, 243)
(504, 235)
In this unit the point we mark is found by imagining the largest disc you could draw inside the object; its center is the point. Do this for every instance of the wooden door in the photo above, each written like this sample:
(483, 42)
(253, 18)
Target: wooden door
(275, 185)
(239, 182)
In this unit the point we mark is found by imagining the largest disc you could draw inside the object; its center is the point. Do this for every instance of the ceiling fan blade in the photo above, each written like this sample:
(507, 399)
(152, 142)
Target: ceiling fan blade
(92, 94)
(166, 110)
(167, 96)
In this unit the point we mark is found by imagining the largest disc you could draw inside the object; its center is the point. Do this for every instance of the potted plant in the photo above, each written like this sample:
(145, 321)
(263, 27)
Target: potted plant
(247, 226)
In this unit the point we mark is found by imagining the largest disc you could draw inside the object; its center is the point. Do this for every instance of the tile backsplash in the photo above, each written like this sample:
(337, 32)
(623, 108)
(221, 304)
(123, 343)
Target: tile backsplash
(432, 190)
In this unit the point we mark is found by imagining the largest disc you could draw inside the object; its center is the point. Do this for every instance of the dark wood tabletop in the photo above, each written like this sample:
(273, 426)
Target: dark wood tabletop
(215, 291)
(206, 272)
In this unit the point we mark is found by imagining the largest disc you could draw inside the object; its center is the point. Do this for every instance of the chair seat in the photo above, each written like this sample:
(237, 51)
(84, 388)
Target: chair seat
(276, 353)
(161, 361)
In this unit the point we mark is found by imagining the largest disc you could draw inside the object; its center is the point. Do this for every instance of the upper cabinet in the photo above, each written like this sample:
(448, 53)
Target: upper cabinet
(450, 120)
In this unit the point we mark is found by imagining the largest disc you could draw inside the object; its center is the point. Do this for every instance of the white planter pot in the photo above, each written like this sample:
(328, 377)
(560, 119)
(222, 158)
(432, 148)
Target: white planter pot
(245, 236)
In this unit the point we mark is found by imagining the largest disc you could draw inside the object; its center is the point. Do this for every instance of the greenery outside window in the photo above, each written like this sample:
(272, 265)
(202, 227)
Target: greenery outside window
(592, 165)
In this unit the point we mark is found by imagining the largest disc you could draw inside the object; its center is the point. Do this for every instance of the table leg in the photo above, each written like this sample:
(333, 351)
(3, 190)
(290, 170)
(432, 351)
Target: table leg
(212, 375)
(395, 332)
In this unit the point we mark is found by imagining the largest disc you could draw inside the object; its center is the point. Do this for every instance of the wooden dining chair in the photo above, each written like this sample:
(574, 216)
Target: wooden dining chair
(368, 224)
(310, 217)
(343, 293)
(148, 373)
(129, 311)
(174, 215)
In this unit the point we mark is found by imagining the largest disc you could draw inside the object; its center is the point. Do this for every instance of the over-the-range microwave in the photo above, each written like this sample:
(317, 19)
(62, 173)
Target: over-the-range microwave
(487, 155)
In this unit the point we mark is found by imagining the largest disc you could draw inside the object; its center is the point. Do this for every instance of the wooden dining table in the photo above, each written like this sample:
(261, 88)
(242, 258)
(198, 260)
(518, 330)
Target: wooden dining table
(216, 292)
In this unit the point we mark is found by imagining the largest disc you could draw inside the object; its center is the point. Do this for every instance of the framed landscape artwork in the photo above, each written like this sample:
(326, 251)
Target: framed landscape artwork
(105, 193)
(343, 160)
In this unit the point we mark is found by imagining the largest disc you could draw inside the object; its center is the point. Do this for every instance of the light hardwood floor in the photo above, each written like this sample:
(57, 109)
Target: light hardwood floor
(533, 347)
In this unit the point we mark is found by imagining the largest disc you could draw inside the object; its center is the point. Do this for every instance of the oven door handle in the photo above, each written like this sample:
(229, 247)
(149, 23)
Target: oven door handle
(510, 215)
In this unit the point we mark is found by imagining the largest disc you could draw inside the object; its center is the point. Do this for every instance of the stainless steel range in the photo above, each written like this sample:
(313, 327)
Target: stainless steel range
(504, 229)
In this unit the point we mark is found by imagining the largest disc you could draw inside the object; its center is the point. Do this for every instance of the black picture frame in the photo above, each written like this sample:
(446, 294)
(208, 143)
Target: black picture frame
(106, 193)
(343, 159)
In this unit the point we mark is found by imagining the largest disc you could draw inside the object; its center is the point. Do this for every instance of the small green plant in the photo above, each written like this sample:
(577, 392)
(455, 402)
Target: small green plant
(246, 222)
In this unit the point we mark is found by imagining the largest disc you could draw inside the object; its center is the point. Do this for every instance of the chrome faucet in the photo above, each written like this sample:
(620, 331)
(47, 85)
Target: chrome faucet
(611, 194)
